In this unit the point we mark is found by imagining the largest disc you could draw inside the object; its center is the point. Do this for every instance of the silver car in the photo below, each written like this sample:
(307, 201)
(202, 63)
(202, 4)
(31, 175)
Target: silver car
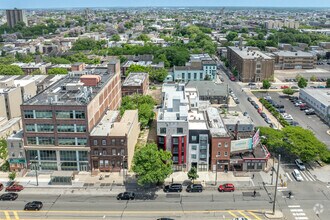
(300, 164)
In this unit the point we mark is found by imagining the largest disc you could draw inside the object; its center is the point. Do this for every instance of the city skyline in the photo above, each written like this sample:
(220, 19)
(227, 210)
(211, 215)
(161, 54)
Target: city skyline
(6, 4)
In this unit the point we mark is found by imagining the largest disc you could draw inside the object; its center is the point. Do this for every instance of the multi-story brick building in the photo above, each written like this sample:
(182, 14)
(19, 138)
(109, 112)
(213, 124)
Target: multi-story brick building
(113, 142)
(294, 60)
(252, 65)
(57, 121)
(135, 83)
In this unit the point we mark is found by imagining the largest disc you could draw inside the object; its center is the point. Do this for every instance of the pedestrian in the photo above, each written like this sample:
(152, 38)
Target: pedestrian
(252, 176)
(290, 194)
(254, 193)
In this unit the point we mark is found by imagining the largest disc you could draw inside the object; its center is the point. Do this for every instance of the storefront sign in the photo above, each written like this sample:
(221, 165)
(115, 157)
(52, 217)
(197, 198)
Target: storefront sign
(17, 160)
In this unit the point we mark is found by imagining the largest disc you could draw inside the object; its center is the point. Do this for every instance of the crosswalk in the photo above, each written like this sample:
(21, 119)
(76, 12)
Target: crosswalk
(9, 215)
(306, 175)
(297, 212)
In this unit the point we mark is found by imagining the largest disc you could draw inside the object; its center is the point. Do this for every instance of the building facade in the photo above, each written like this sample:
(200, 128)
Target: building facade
(251, 65)
(14, 16)
(57, 122)
(294, 60)
(16, 153)
(135, 83)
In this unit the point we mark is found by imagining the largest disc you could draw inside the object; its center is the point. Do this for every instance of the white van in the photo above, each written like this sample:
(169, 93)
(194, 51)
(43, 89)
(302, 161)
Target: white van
(297, 175)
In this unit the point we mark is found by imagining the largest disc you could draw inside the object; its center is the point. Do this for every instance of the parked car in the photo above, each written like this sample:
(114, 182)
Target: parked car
(1, 186)
(293, 98)
(245, 114)
(280, 110)
(298, 103)
(15, 188)
(126, 196)
(310, 112)
(236, 101)
(165, 219)
(259, 110)
(256, 106)
(300, 164)
(249, 99)
(195, 188)
(263, 115)
(297, 175)
(268, 121)
(253, 103)
(228, 187)
(251, 84)
(8, 196)
(294, 87)
(304, 107)
(294, 123)
(284, 87)
(232, 78)
(174, 187)
(35, 205)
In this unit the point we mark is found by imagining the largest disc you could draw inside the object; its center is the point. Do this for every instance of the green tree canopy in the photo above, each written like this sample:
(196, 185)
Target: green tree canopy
(266, 84)
(288, 91)
(151, 165)
(231, 36)
(158, 74)
(302, 83)
(192, 173)
(143, 37)
(328, 83)
(10, 70)
(55, 71)
(115, 37)
(88, 44)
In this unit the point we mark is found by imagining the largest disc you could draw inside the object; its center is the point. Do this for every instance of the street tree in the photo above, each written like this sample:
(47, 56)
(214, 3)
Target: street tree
(55, 71)
(152, 166)
(266, 84)
(10, 70)
(115, 37)
(12, 176)
(328, 83)
(302, 83)
(192, 174)
(313, 78)
(288, 91)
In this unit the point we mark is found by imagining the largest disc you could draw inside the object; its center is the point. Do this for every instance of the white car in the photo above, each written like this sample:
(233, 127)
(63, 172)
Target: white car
(297, 175)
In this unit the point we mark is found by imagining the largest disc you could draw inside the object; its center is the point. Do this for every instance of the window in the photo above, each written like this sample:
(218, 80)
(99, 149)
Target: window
(20, 154)
(195, 76)
(104, 151)
(30, 127)
(32, 154)
(31, 140)
(44, 114)
(65, 128)
(47, 155)
(114, 151)
(83, 156)
(122, 152)
(162, 130)
(46, 141)
(96, 152)
(179, 130)
(20, 145)
(69, 166)
(81, 141)
(104, 142)
(28, 114)
(66, 141)
(175, 140)
(45, 128)
(193, 156)
(226, 154)
(183, 76)
(80, 114)
(194, 147)
(80, 128)
(13, 154)
(106, 163)
(64, 114)
(68, 155)
(161, 140)
(122, 141)
(201, 75)
(219, 154)
(193, 138)
(189, 75)
(11, 145)
(226, 144)
(219, 144)
(113, 141)
(95, 142)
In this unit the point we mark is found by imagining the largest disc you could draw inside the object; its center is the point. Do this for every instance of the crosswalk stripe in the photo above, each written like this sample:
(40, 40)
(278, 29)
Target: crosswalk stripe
(287, 175)
(301, 218)
(232, 214)
(310, 175)
(299, 214)
(303, 175)
(243, 214)
(294, 206)
(7, 215)
(16, 215)
(254, 215)
(296, 210)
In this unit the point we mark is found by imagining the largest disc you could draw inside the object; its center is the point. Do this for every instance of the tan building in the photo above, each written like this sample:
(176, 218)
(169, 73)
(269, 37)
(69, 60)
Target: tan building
(10, 101)
(113, 141)
(136, 83)
(294, 60)
(252, 65)
(29, 68)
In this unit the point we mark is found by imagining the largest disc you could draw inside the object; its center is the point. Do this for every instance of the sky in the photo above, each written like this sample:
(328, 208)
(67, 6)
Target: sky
(25, 4)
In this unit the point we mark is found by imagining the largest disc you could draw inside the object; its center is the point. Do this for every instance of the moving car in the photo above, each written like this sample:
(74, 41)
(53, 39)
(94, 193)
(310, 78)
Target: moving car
(300, 164)
(228, 187)
(174, 187)
(297, 175)
(195, 188)
(126, 196)
(35, 205)
(15, 188)
(9, 196)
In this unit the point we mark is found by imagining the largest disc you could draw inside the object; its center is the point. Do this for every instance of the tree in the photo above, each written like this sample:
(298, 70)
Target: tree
(10, 70)
(328, 83)
(288, 91)
(266, 84)
(313, 78)
(231, 36)
(298, 76)
(128, 25)
(12, 176)
(152, 166)
(192, 174)
(55, 71)
(143, 37)
(235, 72)
(3, 149)
(302, 83)
(115, 37)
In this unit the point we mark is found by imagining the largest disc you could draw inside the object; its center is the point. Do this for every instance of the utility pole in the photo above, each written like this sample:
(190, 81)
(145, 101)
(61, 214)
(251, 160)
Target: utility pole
(273, 171)
(277, 172)
(35, 166)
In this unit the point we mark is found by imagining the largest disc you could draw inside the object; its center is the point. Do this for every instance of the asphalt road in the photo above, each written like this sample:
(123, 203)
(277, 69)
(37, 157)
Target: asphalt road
(245, 105)
(311, 122)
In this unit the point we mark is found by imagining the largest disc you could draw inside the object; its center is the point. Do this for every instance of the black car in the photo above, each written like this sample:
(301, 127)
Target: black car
(195, 188)
(249, 99)
(280, 110)
(165, 218)
(9, 196)
(174, 187)
(253, 103)
(35, 205)
(263, 115)
(126, 196)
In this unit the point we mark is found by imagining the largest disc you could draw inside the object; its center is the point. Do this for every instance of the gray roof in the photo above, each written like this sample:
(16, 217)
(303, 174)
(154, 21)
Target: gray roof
(248, 53)
(321, 95)
(135, 79)
(209, 88)
(293, 54)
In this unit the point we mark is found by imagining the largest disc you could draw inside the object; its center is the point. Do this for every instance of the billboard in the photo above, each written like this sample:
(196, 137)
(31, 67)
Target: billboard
(256, 139)
(241, 145)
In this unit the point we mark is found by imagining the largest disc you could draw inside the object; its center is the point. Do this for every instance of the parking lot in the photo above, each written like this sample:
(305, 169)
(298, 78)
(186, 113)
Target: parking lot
(311, 122)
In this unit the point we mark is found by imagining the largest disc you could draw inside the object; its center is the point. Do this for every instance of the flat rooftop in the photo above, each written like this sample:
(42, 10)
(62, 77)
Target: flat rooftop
(215, 123)
(104, 127)
(233, 117)
(247, 53)
(135, 79)
(284, 53)
(70, 90)
(321, 95)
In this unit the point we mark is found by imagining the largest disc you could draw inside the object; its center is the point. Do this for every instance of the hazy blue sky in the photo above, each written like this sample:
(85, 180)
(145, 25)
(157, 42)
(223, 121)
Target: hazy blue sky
(145, 3)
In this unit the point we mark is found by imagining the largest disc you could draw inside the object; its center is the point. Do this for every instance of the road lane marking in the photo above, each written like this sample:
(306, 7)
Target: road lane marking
(294, 206)
(232, 214)
(254, 215)
(16, 215)
(298, 214)
(287, 175)
(296, 210)
(7, 215)
(310, 175)
(303, 175)
(241, 213)
(300, 218)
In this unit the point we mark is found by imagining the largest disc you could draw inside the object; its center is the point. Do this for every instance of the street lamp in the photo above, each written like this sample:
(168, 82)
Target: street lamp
(35, 166)
(277, 172)
(123, 166)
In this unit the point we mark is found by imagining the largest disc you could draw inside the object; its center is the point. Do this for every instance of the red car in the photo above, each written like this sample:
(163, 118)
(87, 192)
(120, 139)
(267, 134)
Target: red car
(15, 188)
(1, 186)
(228, 187)
(284, 87)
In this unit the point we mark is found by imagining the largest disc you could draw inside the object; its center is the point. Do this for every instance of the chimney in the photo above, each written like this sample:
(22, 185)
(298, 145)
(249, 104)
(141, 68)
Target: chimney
(114, 66)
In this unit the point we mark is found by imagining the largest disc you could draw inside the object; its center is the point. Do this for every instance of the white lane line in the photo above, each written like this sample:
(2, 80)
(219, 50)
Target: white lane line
(299, 214)
(300, 218)
(308, 175)
(288, 175)
(296, 210)
(294, 206)
(311, 176)
(303, 175)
